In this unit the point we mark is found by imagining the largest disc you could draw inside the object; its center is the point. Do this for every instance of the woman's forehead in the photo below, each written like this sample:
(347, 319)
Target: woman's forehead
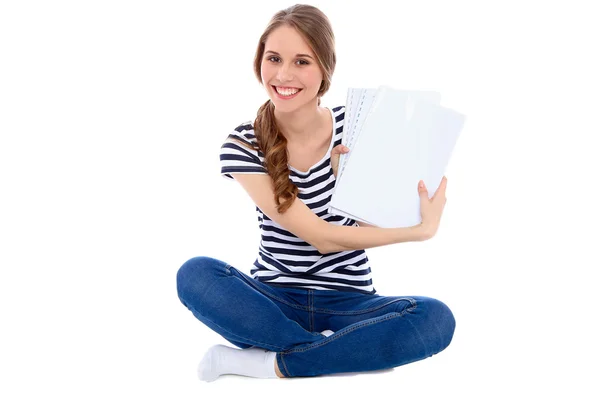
(286, 41)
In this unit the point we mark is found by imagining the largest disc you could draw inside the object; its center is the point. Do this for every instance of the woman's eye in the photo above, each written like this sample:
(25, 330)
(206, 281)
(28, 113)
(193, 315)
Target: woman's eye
(302, 62)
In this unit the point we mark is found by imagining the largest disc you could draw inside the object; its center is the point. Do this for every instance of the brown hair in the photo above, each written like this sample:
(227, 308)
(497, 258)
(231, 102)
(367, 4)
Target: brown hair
(315, 28)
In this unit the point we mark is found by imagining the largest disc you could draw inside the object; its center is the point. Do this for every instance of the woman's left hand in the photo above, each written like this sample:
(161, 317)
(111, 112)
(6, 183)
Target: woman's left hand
(335, 157)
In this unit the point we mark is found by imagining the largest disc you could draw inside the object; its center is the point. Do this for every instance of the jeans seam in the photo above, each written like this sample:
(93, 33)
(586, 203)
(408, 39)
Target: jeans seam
(351, 312)
(338, 335)
(285, 366)
(269, 294)
(310, 310)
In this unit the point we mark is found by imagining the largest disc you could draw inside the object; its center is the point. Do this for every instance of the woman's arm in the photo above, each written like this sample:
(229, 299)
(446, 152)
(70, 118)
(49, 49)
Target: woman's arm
(343, 238)
(326, 237)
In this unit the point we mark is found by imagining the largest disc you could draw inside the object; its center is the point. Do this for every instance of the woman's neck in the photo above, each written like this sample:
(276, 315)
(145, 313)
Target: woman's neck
(302, 125)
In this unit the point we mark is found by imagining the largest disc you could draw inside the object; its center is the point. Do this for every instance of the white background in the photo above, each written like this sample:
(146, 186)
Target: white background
(112, 115)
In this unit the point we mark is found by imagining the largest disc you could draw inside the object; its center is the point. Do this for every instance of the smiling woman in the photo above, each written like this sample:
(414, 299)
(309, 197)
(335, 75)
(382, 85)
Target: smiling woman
(295, 61)
(309, 307)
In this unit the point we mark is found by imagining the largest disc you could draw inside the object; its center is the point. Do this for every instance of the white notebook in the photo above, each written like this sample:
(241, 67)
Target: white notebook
(396, 138)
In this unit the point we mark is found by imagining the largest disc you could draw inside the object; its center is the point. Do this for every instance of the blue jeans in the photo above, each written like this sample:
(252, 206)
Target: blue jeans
(372, 332)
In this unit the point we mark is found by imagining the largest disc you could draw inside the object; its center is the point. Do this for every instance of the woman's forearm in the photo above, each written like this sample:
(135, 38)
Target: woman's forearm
(342, 238)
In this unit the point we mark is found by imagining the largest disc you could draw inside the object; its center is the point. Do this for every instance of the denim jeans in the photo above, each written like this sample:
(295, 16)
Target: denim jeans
(372, 332)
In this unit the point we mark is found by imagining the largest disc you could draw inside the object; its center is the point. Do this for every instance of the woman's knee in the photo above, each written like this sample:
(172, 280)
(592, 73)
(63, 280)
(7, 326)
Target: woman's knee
(195, 274)
(440, 323)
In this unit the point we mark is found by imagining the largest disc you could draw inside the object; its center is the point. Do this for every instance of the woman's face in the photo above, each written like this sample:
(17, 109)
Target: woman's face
(288, 64)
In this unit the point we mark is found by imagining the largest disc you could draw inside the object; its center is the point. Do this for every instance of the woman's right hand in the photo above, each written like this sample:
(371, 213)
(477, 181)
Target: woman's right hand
(431, 209)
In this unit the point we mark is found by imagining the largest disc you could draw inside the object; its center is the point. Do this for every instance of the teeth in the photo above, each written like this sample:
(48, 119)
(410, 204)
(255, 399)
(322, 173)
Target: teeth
(286, 92)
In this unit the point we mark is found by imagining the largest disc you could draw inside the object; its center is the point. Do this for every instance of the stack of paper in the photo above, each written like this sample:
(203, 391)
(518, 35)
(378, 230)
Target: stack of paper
(396, 138)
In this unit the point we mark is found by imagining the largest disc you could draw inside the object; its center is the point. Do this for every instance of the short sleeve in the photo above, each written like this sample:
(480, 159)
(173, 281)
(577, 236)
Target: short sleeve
(239, 159)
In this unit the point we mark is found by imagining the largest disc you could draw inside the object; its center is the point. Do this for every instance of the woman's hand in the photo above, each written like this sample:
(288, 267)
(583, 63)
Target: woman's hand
(431, 209)
(335, 157)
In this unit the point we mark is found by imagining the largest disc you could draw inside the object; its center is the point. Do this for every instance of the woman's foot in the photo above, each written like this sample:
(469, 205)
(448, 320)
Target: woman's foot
(220, 360)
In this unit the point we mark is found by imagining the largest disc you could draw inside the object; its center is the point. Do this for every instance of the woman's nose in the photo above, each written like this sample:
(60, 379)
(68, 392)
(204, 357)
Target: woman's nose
(284, 74)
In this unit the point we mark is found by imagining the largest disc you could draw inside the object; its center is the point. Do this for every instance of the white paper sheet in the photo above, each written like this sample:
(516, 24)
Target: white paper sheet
(396, 139)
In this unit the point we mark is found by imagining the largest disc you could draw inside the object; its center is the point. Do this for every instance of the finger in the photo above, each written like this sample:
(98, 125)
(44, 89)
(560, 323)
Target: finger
(335, 159)
(423, 194)
(340, 148)
(442, 187)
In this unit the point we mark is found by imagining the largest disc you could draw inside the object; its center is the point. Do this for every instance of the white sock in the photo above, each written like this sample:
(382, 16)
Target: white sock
(220, 360)
(327, 332)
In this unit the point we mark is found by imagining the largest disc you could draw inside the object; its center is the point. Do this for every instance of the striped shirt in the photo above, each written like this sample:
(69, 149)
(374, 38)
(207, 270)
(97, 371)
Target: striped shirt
(283, 258)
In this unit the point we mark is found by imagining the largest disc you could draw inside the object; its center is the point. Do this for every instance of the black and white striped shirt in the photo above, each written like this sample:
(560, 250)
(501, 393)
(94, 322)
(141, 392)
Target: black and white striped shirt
(283, 258)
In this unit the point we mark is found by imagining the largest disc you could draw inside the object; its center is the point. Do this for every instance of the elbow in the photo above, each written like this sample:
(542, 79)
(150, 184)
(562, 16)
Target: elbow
(321, 246)
(325, 242)
(326, 246)
(331, 248)
(323, 249)
(322, 241)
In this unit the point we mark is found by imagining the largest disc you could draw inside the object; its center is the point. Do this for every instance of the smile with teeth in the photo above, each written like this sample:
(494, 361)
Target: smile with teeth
(283, 91)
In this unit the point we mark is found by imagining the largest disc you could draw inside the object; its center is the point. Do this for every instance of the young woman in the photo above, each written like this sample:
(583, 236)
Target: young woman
(309, 307)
